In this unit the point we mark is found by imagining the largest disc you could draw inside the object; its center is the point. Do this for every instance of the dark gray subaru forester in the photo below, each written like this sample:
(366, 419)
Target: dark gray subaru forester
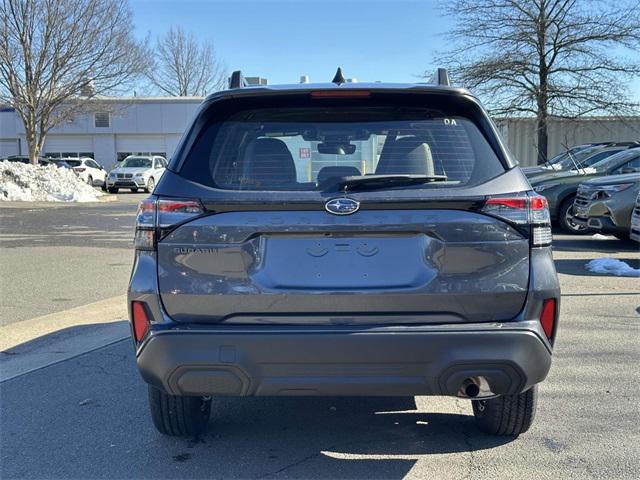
(343, 239)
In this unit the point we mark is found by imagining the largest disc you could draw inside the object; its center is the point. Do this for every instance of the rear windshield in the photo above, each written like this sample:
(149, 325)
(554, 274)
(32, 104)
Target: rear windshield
(74, 163)
(302, 148)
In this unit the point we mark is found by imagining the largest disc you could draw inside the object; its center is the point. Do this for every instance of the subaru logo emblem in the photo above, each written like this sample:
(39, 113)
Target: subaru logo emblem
(342, 206)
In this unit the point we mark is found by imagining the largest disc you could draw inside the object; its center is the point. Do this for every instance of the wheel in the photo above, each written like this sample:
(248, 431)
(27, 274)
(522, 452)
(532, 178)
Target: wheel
(507, 414)
(565, 220)
(179, 415)
(112, 189)
(90, 180)
(134, 190)
(151, 183)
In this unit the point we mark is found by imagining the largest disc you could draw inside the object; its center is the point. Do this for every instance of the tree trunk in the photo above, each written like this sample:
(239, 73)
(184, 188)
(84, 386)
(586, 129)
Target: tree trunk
(541, 128)
(34, 145)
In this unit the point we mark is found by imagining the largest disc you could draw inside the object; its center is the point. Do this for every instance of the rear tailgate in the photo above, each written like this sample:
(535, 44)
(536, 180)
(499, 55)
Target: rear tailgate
(372, 267)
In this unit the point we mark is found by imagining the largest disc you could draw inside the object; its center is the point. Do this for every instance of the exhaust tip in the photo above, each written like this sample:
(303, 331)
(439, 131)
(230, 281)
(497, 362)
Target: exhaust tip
(471, 390)
(474, 387)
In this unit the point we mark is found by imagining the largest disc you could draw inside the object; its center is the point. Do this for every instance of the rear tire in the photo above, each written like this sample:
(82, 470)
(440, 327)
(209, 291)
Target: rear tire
(90, 180)
(565, 221)
(507, 414)
(179, 415)
(112, 189)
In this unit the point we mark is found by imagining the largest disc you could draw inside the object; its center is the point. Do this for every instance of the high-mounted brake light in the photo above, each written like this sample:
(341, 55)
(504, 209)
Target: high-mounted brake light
(157, 217)
(524, 210)
(140, 320)
(340, 94)
(548, 316)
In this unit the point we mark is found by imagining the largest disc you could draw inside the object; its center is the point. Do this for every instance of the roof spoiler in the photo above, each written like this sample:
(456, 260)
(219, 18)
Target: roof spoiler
(236, 80)
(441, 77)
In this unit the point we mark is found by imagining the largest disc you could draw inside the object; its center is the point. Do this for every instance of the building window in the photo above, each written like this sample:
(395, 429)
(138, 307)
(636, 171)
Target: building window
(68, 154)
(102, 120)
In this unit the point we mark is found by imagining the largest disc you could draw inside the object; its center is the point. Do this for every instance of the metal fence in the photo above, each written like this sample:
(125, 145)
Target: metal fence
(520, 134)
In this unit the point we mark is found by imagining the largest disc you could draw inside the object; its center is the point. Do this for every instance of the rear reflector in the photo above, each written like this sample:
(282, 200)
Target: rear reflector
(340, 94)
(140, 320)
(548, 316)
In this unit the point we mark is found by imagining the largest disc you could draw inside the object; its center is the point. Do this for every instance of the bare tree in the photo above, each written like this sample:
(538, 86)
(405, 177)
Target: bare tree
(564, 58)
(183, 66)
(56, 56)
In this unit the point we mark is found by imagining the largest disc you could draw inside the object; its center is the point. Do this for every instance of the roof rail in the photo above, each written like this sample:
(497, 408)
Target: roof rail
(441, 77)
(236, 80)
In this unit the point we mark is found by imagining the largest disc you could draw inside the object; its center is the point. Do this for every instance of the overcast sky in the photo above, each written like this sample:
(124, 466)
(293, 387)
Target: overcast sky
(387, 40)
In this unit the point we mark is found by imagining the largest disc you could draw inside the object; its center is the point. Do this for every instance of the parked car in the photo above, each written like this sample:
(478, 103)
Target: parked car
(605, 204)
(635, 221)
(25, 159)
(87, 169)
(560, 187)
(582, 159)
(554, 162)
(58, 162)
(136, 172)
(281, 255)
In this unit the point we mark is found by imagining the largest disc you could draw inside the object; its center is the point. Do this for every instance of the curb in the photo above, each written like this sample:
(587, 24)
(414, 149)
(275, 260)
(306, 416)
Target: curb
(33, 344)
(110, 310)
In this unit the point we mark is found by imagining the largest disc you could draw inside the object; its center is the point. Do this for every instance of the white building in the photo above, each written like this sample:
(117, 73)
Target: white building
(118, 127)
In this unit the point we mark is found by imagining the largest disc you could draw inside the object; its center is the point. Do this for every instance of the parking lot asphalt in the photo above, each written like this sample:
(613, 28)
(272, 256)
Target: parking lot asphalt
(87, 416)
(59, 256)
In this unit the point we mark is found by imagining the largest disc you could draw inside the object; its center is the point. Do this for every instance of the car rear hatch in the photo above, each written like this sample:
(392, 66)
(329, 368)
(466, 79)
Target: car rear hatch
(256, 249)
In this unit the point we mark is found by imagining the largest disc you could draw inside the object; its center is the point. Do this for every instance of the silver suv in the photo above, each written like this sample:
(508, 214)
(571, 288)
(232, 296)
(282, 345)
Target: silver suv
(343, 239)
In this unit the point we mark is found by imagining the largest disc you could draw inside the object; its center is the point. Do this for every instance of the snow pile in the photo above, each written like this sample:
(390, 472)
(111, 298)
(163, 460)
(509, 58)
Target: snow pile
(612, 266)
(599, 236)
(31, 183)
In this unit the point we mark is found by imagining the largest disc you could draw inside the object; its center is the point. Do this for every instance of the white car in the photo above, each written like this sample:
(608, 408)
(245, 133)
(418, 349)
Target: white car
(88, 170)
(137, 172)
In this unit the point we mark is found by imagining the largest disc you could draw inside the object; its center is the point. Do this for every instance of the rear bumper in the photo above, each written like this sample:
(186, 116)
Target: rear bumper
(428, 360)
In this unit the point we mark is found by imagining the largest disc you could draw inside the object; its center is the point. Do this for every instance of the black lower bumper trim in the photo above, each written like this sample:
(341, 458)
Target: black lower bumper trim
(337, 363)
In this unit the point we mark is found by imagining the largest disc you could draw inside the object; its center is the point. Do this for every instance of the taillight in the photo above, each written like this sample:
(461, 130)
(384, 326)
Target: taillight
(79, 169)
(524, 210)
(173, 212)
(156, 217)
(145, 236)
(140, 320)
(548, 316)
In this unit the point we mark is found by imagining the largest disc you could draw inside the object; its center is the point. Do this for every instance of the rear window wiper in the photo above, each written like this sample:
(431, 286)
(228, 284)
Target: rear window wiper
(378, 181)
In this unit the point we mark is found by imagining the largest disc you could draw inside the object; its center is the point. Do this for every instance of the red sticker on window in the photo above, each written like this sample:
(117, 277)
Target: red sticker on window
(305, 153)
